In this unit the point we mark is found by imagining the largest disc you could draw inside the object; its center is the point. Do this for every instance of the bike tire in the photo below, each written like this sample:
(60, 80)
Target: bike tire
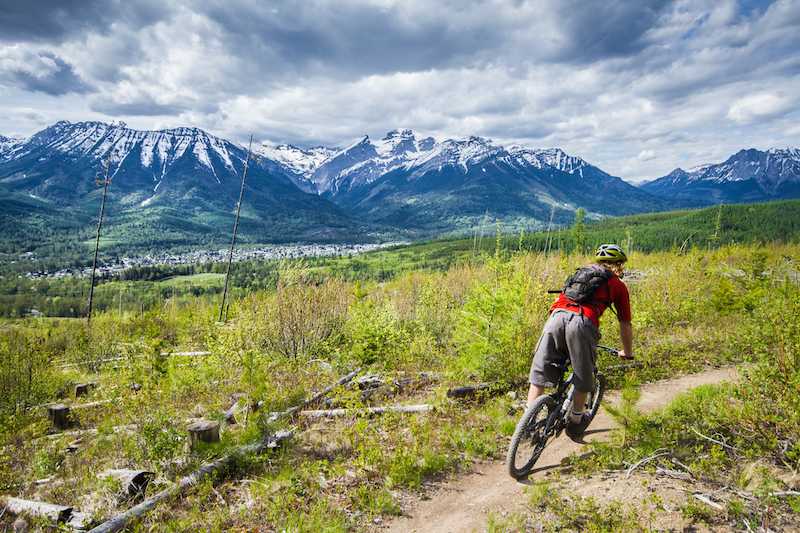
(597, 396)
(535, 419)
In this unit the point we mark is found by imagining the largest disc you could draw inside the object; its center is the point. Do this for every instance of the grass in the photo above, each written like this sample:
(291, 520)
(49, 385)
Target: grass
(471, 322)
(208, 279)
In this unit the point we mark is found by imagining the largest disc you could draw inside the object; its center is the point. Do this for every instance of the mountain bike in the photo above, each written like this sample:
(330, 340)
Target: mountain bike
(547, 417)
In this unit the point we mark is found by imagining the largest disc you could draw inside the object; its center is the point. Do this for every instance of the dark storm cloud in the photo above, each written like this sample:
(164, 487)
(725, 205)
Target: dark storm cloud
(351, 38)
(598, 30)
(56, 20)
(140, 107)
(44, 72)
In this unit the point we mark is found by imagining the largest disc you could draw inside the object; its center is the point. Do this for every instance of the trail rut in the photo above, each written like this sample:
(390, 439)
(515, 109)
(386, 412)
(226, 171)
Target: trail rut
(464, 503)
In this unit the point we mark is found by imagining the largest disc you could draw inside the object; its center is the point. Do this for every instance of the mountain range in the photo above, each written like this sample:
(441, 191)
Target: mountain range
(180, 186)
(747, 176)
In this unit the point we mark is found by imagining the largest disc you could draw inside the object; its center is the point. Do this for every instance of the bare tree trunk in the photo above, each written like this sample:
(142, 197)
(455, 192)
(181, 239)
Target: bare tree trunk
(106, 181)
(222, 310)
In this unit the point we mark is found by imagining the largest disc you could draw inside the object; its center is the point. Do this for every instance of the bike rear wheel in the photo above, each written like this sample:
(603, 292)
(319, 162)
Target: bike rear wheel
(533, 431)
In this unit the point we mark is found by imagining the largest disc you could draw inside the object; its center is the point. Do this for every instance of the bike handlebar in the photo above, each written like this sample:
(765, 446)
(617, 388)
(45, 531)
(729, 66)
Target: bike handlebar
(613, 351)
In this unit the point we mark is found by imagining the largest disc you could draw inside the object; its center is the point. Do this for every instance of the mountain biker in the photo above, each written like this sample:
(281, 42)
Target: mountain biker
(572, 330)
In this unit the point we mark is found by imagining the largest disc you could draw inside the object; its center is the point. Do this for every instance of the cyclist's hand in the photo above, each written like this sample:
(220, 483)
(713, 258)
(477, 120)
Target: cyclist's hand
(623, 355)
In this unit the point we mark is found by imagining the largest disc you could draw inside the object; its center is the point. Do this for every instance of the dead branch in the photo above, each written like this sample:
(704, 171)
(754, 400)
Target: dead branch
(321, 394)
(121, 521)
(708, 501)
(644, 461)
(330, 413)
(494, 387)
(715, 441)
(675, 474)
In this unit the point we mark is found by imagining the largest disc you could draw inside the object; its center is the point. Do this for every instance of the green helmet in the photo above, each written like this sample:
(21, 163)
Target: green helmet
(610, 253)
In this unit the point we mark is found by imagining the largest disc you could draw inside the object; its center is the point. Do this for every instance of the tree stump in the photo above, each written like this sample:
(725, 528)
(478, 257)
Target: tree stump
(203, 431)
(58, 415)
(133, 483)
(83, 389)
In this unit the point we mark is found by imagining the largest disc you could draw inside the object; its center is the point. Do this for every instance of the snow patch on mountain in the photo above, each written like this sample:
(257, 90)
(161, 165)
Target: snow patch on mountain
(8, 145)
(549, 157)
(301, 161)
(365, 160)
(460, 153)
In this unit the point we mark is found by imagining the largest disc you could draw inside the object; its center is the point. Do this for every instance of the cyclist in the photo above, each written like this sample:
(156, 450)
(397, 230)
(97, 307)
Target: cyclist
(572, 330)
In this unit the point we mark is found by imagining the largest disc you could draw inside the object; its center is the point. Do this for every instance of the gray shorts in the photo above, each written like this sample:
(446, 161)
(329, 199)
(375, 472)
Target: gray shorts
(566, 334)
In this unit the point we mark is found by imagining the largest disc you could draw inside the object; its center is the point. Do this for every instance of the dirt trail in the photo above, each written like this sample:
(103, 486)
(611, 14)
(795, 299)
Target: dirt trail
(464, 503)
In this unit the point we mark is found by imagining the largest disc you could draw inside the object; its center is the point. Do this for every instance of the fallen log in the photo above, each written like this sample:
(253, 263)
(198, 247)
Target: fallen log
(468, 391)
(121, 521)
(321, 394)
(494, 387)
(82, 432)
(330, 413)
(50, 511)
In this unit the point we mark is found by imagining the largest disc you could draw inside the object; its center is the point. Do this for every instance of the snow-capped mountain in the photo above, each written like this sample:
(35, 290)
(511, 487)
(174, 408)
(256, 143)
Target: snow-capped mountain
(457, 182)
(748, 175)
(301, 162)
(183, 169)
(333, 171)
(366, 160)
(7, 144)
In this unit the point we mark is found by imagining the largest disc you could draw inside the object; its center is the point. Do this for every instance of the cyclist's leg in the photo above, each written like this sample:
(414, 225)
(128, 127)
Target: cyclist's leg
(581, 338)
(551, 348)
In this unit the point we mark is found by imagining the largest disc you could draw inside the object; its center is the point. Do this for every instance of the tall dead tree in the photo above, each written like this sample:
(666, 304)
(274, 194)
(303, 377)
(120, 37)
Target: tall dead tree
(106, 181)
(549, 227)
(222, 313)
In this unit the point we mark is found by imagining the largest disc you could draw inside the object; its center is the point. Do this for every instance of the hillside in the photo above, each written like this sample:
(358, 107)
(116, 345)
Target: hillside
(776, 222)
(139, 383)
(169, 188)
(671, 230)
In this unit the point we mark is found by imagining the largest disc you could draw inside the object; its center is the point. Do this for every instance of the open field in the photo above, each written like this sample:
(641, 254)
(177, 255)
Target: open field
(474, 322)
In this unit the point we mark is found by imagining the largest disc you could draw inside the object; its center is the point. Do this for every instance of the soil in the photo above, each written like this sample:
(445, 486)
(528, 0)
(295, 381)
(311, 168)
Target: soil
(463, 504)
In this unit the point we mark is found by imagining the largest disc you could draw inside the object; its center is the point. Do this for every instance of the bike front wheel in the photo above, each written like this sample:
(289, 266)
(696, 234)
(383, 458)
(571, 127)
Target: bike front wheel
(596, 396)
(533, 431)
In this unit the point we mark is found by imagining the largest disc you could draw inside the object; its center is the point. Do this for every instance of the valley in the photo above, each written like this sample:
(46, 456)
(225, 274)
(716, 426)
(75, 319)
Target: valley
(175, 191)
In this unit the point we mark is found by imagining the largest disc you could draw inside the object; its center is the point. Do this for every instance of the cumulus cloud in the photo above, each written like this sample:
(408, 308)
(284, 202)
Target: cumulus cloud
(758, 106)
(646, 155)
(635, 87)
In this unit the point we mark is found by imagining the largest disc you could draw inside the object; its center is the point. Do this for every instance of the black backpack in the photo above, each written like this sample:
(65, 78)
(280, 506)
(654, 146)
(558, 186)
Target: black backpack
(582, 285)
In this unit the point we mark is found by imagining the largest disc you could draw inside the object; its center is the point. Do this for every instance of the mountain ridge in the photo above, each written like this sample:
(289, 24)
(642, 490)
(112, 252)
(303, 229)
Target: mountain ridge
(748, 175)
(403, 184)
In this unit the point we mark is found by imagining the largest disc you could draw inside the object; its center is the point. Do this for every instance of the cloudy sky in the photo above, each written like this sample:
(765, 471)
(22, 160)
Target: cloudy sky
(636, 87)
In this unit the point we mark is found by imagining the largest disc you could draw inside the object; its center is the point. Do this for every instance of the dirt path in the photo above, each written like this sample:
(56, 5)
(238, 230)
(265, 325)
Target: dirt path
(464, 503)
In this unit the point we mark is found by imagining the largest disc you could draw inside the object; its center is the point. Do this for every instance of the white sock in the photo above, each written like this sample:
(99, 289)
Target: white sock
(576, 416)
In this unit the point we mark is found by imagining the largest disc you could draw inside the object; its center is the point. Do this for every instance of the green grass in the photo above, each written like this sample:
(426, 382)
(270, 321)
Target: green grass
(194, 280)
